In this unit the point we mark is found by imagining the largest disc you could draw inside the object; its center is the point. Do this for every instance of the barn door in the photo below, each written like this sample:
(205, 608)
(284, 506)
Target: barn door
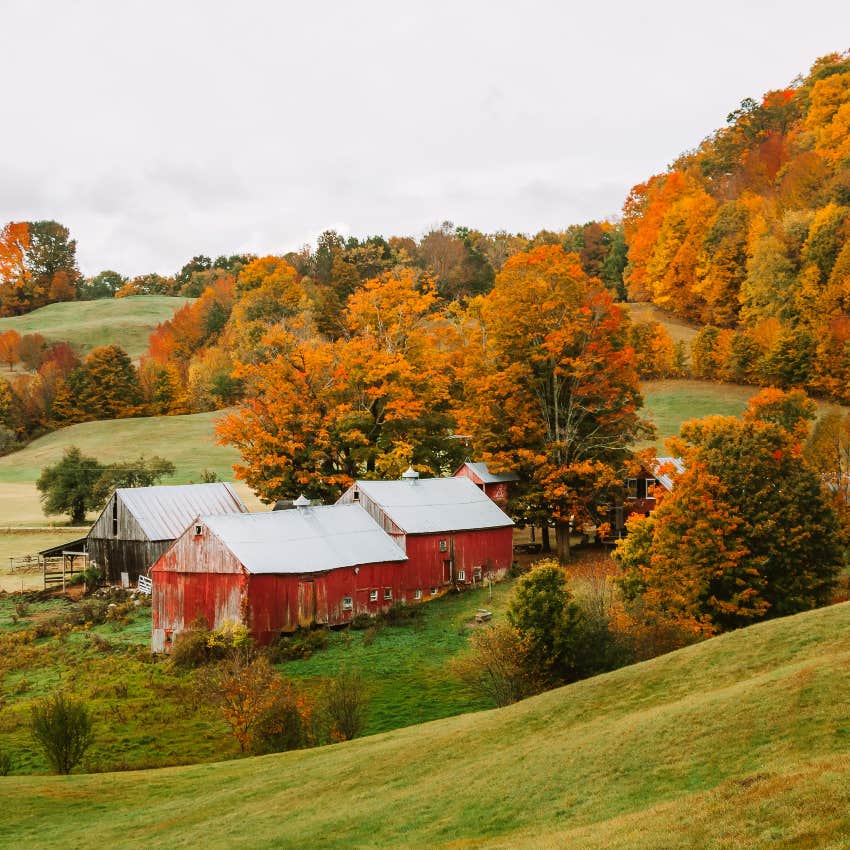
(306, 604)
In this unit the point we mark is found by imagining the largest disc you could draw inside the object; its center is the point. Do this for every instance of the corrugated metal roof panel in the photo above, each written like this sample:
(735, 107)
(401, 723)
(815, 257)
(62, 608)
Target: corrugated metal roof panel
(306, 540)
(435, 504)
(666, 481)
(164, 512)
(483, 472)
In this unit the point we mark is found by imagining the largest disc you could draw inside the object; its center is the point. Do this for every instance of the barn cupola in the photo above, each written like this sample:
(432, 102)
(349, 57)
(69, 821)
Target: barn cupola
(410, 475)
(302, 502)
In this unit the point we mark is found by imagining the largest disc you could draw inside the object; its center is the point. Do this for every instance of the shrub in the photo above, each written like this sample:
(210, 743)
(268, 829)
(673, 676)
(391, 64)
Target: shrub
(62, 727)
(361, 621)
(286, 724)
(343, 704)
(400, 613)
(300, 644)
(198, 645)
(495, 668)
(190, 649)
(548, 622)
(263, 710)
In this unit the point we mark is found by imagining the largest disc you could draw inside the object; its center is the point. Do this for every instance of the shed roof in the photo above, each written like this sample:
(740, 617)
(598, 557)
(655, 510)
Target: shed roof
(76, 546)
(305, 540)
(664, 479)
(164, 512)
(430, 505)
(482, 472)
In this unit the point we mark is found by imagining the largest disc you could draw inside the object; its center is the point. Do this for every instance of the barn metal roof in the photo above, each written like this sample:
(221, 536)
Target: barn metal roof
(304, 540)
(164, 512)
(482, 471)
(435, 504)
(665, 480)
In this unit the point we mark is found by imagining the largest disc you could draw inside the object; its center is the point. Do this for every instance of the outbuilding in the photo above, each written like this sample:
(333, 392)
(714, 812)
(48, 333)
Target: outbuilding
(452, 533)
(139, 523)
(275, 571)
(493, 484)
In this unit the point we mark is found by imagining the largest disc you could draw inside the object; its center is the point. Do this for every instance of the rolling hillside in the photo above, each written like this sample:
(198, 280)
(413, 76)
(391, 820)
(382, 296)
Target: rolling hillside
(187, 441)
(127, 322)
(742, 741)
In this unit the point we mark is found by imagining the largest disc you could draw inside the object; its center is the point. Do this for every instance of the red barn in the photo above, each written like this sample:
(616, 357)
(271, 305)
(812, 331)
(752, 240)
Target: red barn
(275, 571)
(451, 532)
(494, 484)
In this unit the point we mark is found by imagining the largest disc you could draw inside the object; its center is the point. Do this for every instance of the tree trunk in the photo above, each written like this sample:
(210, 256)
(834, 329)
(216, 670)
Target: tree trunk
(544, 536)
(562, 539)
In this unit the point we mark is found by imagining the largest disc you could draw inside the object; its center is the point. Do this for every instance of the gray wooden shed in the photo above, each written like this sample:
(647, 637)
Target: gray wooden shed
(139, 523)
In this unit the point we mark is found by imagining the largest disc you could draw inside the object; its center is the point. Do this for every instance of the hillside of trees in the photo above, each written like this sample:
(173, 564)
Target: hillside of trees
(748, 234)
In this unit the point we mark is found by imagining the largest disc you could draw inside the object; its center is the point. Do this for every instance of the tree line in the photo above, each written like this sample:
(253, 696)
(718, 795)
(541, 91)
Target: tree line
(749, 234)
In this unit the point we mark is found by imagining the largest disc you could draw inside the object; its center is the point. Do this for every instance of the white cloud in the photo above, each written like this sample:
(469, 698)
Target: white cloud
(157, 130)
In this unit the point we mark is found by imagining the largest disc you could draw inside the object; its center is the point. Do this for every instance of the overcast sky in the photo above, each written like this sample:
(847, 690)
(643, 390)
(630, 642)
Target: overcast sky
(160, 130)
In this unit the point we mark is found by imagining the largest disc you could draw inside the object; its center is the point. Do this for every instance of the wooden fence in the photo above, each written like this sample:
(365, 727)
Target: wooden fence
(59, 569)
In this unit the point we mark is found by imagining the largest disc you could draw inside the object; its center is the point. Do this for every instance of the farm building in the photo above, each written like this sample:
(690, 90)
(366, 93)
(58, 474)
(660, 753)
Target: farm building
(642, 491)
(451, 531)
(494, 484)
(139, 523)
(276, 571)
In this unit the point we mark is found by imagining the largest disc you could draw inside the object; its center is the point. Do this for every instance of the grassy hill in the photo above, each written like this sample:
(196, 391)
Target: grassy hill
(187, 441)
(127, 322)
(670, 403)
(739, 742)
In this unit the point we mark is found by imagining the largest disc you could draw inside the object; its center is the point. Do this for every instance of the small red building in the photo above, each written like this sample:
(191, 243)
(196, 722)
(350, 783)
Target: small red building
(451, 532)
(494, 484)
(643, 489)
(275, 571)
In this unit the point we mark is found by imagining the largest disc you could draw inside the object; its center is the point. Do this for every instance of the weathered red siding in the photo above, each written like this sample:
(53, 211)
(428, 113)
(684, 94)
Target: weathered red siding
(280, 603)
(427, 567)
(199, 578)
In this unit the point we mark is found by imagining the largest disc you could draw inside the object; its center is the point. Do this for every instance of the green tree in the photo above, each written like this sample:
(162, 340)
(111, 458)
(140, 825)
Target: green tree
(142, 472)
(62, 727)
(548, 622)
(102, 285)
(69, 485)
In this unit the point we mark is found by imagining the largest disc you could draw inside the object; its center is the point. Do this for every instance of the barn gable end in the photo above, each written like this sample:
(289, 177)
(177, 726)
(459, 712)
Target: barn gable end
(139, 523)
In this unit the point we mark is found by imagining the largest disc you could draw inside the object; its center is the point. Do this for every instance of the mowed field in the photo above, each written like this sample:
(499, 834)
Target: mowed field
(127, 322)
(667, 404)
(739, 742)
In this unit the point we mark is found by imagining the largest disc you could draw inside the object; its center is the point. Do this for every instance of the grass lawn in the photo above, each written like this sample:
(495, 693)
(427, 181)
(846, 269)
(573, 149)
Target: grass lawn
(127, 322)
(405, 666)
(146, 714)
(670, 403)
(739, 742)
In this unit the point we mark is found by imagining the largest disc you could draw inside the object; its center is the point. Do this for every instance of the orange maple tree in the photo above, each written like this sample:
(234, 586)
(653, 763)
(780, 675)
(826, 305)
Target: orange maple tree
(553, 393)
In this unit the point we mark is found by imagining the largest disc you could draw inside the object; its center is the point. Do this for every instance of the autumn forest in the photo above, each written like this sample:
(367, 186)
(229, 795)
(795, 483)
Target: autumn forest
(359, 357)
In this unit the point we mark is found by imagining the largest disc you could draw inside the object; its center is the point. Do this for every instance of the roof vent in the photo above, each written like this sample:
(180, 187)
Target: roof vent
(302, 502)
(410, 475)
